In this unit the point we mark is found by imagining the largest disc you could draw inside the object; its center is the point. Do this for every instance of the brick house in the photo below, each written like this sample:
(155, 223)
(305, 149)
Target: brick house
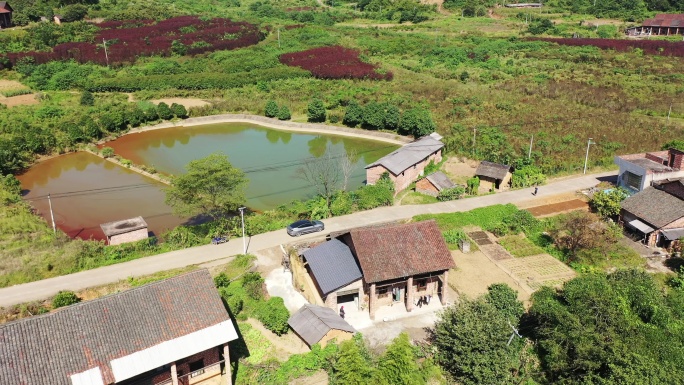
(434, 183)
(494, 176)
(656, 215)
(639, 171)
(407, 163)
(398, 263)
(174, 331)
(5, 15)
(320, 325)
(127, 230)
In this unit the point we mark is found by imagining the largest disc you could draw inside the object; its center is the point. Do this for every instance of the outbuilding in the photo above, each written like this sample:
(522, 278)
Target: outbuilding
(319, 325)
(5, 15)
(127, 230)
(434, 183)
(496, 176)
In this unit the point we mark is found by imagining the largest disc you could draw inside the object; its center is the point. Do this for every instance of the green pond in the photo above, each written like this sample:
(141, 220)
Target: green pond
(271, 159)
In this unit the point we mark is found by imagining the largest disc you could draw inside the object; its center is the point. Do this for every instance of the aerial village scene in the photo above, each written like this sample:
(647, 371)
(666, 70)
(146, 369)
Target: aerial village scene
(341, 192)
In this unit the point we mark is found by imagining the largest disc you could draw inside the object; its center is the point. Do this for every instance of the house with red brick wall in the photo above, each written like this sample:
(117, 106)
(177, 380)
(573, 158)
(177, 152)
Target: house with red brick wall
(662, 24)
(639, 171)
(407, 163)
(401, 262)
(494, 176)
(5, 15)
(175, 331)
(656, 215)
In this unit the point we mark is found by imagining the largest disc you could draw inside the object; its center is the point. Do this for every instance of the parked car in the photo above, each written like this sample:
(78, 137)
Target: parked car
(304, 226)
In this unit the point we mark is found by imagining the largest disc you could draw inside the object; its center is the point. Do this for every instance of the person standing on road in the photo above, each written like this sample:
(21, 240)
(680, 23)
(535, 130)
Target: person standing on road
(535, 190)
(342, 312)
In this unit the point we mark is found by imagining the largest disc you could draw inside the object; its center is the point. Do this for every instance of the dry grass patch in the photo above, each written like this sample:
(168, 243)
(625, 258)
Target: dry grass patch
(21, 100)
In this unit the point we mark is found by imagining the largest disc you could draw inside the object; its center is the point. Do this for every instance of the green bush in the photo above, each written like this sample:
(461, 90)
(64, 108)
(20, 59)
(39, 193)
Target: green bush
(253, 284)
(64, 298)
(353, 116)
(527, 176)
(274, 315)
(417, 122)
(284, 113)
(473, 185)
(451, 194)
(221, 280)
(453, 236)
(179, 110)
(315, 111)
(271, 110)
(164, 111)
(107, 152)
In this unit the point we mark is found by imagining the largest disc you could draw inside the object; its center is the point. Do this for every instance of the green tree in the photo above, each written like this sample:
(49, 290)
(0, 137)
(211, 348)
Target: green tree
(608, 203)
(87, 98)
(505, 300)
(211, 186)
(417, 122)
(392, 117)
(471, 341)
(179, 110)
(74, 12)
(353, 116)
(398, 364)
(164, 111)
(64, 298)
(315, 111)
(352, 368)
(540, 26)
(284, 113)
(271, 109)
(677, 144)
(374, 116)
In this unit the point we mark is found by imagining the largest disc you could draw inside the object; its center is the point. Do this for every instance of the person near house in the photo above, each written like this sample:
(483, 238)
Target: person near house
(342, 312)
(427, 299)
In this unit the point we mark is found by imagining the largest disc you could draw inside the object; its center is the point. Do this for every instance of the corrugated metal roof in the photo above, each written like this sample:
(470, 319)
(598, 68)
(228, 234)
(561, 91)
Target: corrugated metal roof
(333, 265)
(641, 226)
(412, 153)
(89, 377)
(48, 349)
(440, 180)
(673, 234)
(312, 323)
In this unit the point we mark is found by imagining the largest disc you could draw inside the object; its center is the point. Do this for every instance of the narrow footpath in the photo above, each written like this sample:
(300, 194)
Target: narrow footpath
(40, 290)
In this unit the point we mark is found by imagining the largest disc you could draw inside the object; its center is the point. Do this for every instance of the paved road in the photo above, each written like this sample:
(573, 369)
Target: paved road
(40, 290)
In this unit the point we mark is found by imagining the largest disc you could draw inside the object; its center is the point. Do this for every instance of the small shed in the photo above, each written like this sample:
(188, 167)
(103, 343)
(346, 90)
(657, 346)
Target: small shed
(127, 230)
(496, 174)
(434, 183)
(319, 325)
(5, 15)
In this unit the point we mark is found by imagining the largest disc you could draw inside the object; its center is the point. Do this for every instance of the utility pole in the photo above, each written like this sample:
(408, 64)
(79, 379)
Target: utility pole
(586, 158)
(52, 215)
(474, 133)
(669, 112)
(244, 242)
(104, 43)
(529, 153)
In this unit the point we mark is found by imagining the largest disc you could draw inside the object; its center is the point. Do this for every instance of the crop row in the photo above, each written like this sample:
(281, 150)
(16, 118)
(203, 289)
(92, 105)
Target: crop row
(128, 40)
(334, 63)
(189, 82)
(651, 47)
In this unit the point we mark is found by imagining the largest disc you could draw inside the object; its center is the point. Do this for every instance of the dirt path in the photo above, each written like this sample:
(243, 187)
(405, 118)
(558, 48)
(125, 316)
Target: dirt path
(281, 125)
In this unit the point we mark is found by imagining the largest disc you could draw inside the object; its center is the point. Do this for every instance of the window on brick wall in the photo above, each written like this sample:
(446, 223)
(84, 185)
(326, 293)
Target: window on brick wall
(382, 290)
(196, 367)
(421, 284)
(632, 180)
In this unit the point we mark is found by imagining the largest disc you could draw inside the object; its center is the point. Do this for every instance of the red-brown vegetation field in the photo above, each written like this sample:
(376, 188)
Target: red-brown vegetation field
(334, 63)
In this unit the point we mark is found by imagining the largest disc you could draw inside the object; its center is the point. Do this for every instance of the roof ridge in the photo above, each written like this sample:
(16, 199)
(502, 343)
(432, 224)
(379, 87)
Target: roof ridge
(99, 299)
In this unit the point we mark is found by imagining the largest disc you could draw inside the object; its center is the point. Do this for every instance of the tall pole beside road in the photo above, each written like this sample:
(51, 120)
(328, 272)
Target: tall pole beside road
(244, 242)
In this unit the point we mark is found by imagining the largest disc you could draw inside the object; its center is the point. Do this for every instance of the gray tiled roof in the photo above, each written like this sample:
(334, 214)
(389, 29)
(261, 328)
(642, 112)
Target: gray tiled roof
(47, 349)
(439, 180)
(655, 207)
(312, 323)
(408, 155)
(332, 265)
(400, 251)
(492, 170)
(123, 226)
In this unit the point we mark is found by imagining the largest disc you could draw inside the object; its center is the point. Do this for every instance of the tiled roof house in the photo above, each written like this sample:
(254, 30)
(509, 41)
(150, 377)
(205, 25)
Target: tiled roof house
(407, 163)
(656, 214)
(496, 174)
(661, 24)
(5, 15)
(434, 183)
(172, 331)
